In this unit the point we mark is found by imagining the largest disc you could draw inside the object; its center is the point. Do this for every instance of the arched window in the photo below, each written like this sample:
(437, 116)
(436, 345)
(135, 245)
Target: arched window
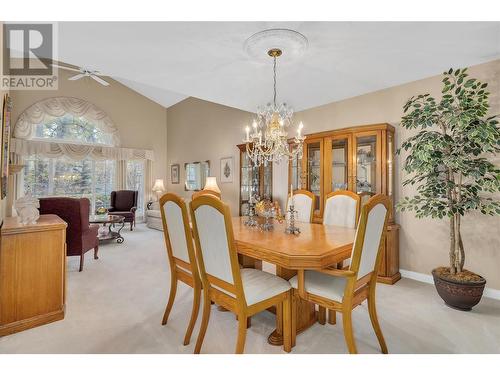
(72, 129)
(74, 170)
(69, 120)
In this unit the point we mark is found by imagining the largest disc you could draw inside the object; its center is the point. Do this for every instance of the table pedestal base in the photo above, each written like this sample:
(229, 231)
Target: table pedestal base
(305, 317)
(276, 337)
(306, 311)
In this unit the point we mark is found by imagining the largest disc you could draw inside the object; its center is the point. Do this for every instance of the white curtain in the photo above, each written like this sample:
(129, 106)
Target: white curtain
(51, 108)
(25, 147)
(121, 175)
(148, 181)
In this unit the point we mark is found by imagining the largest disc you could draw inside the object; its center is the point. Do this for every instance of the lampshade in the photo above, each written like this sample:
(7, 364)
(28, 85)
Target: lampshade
(211, 184)
(158, 186)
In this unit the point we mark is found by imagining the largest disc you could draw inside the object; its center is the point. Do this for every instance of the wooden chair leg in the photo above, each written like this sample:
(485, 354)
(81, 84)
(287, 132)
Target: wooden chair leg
(332, 317)
(376, 326)
(242, 333)
(204, 322)
(279, 319)
(81, 262)
(171, 298)
(294, 318)
(249, 319)
(194, 314)
(96, 250)
(348, 333)
(321, 315)
(287, 323)
(131, 228)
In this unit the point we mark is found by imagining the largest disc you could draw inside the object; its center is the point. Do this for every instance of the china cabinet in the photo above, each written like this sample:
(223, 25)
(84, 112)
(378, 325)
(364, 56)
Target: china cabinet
(359, 159)
(255, 181)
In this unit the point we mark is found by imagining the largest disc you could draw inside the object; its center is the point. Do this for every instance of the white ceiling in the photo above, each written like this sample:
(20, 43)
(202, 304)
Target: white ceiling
(169, 61)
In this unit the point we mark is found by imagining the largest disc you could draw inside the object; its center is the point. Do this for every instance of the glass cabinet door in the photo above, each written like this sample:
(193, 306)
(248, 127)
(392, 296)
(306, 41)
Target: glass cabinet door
(313, 155)
(295, 172)
(367, 165)
(267, 182)
(250, 182)
(254, 181)
(338, 163)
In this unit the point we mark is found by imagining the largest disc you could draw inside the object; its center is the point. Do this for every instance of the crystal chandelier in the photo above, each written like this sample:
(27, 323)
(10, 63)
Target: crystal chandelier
(268, 141)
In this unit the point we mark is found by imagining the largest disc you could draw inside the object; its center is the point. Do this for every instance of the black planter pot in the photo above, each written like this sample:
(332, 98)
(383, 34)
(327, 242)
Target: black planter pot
(461, 296)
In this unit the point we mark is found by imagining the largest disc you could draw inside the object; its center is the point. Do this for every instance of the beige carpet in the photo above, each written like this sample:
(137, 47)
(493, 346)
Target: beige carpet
(116, 304)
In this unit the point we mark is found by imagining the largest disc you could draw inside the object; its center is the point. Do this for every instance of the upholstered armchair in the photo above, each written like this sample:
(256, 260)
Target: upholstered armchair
(80, 235)
(124, 203)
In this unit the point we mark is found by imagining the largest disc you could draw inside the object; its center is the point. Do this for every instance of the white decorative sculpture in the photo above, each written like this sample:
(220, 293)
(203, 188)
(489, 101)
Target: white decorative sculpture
(27, 209)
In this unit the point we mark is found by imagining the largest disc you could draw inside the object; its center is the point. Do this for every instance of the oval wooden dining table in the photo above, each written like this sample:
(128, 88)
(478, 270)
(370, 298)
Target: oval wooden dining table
(316, 246)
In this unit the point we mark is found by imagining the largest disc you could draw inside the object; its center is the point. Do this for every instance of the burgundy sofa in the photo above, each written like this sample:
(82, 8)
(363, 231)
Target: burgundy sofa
(124, 203)
(80, 235)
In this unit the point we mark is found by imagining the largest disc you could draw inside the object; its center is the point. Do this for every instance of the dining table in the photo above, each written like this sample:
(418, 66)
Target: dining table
(317, 246)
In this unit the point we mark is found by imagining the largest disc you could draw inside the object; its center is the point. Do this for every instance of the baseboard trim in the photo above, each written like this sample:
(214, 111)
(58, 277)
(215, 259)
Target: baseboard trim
(425, 278)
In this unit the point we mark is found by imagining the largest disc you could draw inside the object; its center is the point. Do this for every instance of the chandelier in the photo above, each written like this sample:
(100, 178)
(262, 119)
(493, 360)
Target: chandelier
(268, 141)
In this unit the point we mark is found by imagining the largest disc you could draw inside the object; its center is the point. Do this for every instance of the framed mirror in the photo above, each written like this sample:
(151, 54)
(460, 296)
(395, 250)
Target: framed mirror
(196, 175)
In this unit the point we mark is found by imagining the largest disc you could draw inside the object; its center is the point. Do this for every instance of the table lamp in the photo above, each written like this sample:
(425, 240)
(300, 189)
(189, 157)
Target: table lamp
(211, 184)
(158, 188)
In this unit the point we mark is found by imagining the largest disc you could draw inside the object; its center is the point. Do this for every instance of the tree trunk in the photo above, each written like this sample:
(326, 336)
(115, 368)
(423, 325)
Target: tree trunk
(456, 236)
(462, 251)
(453, 269)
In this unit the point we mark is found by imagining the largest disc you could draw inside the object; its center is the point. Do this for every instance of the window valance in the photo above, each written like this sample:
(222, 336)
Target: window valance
(52, 108)
(25, 147)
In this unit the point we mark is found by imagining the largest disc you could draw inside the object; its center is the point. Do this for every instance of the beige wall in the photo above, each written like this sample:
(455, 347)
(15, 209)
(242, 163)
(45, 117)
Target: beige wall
(199, 130)
(423, 242)
(141, 122)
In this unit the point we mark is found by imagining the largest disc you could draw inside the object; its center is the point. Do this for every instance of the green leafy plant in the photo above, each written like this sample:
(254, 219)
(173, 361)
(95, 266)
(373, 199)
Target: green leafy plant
(447, 157)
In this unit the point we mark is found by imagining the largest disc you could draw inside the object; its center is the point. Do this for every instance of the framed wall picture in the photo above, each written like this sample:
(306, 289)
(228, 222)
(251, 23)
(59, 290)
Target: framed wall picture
(6, 112)
(226, 170)
(174, 173)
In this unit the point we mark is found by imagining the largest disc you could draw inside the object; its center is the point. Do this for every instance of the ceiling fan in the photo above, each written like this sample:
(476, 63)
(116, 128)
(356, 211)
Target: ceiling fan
(83, 72)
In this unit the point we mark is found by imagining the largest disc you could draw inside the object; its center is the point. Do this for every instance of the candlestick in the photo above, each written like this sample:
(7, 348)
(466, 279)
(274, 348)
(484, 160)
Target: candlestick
(247, 129)
(291, 228)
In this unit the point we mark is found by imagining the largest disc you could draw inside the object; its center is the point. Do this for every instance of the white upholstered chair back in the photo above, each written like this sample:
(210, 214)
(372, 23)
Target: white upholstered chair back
(342, 210)
(370, 237)
(214, 245)
(176, 231)
(303, 204)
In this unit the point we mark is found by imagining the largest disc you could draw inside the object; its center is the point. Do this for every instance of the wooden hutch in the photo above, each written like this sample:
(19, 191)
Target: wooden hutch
(359, 159)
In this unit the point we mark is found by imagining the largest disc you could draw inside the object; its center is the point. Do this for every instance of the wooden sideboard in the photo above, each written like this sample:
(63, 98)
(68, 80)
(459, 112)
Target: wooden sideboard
(32, 273)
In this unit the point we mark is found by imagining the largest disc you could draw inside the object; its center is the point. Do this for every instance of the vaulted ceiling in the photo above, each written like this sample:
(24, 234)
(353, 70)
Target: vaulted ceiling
(169, 61)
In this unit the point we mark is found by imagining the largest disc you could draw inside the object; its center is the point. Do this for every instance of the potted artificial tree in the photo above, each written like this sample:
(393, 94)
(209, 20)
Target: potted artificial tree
(447, 161)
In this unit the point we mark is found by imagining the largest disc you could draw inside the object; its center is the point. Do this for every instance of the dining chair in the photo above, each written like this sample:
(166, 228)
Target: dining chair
(181, 255)
(343, 290)
(304, 202)
(197, 194)
(341, 209)
(245, 291)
